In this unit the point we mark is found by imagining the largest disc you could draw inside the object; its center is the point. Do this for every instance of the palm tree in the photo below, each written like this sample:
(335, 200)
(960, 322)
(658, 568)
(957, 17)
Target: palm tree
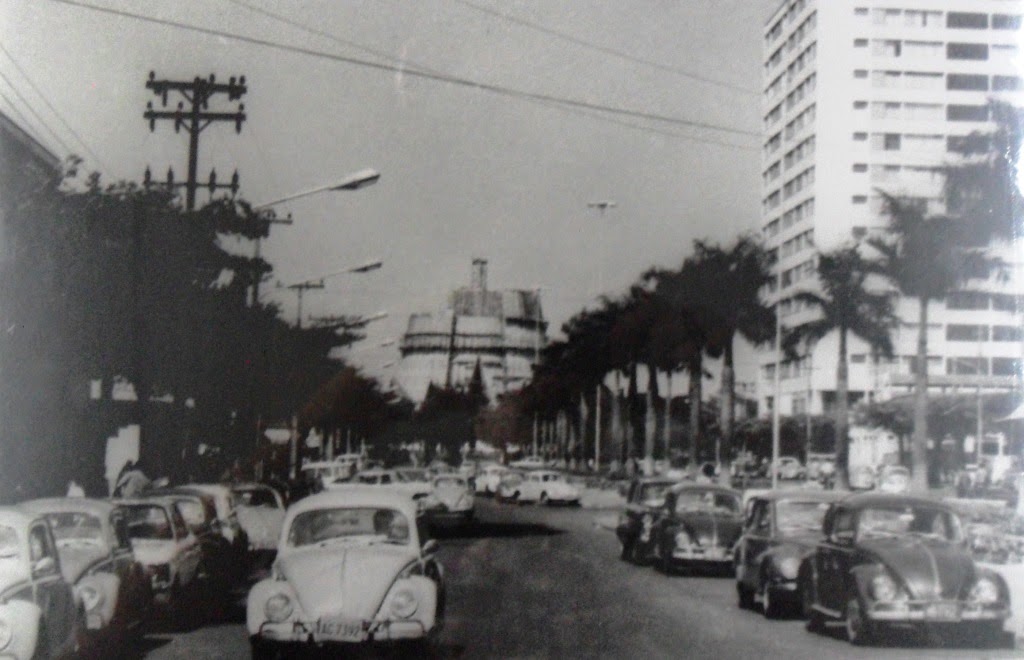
(845, 306)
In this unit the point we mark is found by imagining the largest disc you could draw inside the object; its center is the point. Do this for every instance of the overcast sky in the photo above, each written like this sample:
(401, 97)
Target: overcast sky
(465, 172)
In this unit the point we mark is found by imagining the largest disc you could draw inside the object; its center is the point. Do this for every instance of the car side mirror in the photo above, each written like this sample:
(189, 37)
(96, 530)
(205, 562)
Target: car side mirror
(431, 547)
(43, 566)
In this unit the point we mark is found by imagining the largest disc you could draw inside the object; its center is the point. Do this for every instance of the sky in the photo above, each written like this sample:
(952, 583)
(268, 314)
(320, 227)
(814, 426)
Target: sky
(465, 172)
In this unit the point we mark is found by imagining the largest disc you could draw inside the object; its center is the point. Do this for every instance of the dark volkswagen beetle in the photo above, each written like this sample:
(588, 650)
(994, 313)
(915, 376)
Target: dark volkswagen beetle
(781, 527)
(697, 526)
(888, 559)
(644, 499)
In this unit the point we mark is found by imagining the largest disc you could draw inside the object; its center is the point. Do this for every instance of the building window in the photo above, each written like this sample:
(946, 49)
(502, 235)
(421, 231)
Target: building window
(1007, 333)
(859, 199)
(916, 18)
(964, 51)
(922, 49)
(966, 20)
(860, 167)
(1004, 302)
(923, 111)
(1006, 83)
(967, 81)
(967, 366)
(860, 73)
(967, 112)
(891, 142)
(858, 358)
(860, 43)
(956, 332)
(860, 137)
(969, 300)
(885, 110)
(1005, 21)
(967, 144)
(887, 48)
(1006, 367)
(921, 80)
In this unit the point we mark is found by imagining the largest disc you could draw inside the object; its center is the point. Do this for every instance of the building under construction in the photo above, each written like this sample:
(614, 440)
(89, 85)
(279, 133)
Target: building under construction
(502, 331)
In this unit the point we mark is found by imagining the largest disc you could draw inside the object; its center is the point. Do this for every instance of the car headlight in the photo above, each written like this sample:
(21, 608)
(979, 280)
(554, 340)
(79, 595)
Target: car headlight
(278, 608)
(682, 540)
(883, 588)
(91, 597)
(404, 604)
(985, 590)
(6, 634)
(789, 567)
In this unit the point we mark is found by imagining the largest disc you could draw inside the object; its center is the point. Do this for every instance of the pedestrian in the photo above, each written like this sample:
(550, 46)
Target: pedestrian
(74, 490)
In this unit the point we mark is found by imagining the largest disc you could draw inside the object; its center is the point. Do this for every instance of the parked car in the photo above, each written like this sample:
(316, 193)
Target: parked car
(789, 467)
(644, 498)
(39, 614)
(452, 500)
(548, 487)
(508, 486)
(529, 463)
(167, 548)
(781, 527)
(390, 478)
(488, 479)
(412, 475)
(896, 559)
(696, 527)
(260, 511)
(96, 558)
(862, 477)
(352, 567)
(894, 479)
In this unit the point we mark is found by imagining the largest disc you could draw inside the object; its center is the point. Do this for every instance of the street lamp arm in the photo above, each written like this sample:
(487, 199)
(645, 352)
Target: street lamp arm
(360, 179)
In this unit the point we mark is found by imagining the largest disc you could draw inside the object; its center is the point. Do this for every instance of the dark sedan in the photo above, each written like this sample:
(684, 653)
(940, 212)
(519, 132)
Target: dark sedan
(897, 559)
(781, 528)
(644, 499)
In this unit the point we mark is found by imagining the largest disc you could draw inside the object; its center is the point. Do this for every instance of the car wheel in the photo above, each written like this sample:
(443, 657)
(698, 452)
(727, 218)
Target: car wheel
(636, 556)
(627, 549)
(744, 596)
(815, 619)
(860, 631)
(987, 634)
(770, 606)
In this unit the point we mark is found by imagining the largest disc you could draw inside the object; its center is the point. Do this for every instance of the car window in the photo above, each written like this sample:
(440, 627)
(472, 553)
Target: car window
(76, 528)
(843, 522)
(927, 521)
(760, 519)
(9, 546)
(120, 527)
(349, 523)
(706, 500)
(39, 544)
(794, 516)
(257, 497)
(148, 521)
(180, 528)
(192, 512)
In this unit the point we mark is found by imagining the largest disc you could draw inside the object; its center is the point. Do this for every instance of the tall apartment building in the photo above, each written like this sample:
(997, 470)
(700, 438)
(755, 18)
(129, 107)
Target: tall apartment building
(862, 95)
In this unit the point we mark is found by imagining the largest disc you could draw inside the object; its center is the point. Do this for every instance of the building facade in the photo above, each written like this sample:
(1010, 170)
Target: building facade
(868, 95)
(501, 331)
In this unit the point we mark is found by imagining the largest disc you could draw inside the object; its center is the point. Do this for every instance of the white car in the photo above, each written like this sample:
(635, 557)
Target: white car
(489, 478)
(351, 568)
(529, 463)
(260, 511)
(789, 467)
(452, 500)
(392, 479)
(166, 548)
(548, 487)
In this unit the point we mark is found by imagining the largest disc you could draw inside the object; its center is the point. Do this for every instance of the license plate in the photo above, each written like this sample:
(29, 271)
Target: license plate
(943, 612)
(339, 630)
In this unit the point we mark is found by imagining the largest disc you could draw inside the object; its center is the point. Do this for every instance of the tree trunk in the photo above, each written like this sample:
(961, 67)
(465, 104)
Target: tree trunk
(696, 377)
(632, 430)
(650, 419)
(668, 419)
(919, 442)
(842, 397)
(616, 411)
(728, 411)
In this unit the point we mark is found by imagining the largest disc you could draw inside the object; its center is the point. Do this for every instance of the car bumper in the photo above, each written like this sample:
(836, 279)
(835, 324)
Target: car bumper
(349, 633)
(936, 611)
(713, 555)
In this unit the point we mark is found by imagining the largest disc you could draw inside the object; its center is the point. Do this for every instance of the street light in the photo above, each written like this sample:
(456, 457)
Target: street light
(301, 287)
(360, 179)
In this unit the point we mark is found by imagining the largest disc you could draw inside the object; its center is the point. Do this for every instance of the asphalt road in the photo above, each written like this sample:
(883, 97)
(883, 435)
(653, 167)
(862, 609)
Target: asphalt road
(533, 582)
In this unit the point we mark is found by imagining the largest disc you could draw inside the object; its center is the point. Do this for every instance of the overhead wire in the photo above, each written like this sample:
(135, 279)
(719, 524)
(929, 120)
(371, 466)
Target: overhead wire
(88, 149)
(35, 114)
(26, 125)
(405, 62)
(607, 50)
(451, 79)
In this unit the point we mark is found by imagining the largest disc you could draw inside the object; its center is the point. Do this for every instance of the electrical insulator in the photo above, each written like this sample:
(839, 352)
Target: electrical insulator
(239, 118)
(178, 117)
(213, 180)
(147, 177)
(170, 177)
(234, 183)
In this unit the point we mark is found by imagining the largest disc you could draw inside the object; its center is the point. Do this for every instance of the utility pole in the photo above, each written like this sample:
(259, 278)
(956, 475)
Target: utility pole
(198, 93)
(257, 253)
(301, 289)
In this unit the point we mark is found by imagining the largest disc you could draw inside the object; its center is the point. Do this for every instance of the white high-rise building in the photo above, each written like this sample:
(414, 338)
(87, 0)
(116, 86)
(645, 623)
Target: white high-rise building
(862, 95)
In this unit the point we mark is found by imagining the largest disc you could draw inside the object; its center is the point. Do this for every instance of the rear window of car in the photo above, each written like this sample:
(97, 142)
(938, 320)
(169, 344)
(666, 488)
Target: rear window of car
(257, 497)
(368, 523)
(795, 516)
(882, 522)
(9, 546)
(71, 528)
(708, 500)
(148, 522)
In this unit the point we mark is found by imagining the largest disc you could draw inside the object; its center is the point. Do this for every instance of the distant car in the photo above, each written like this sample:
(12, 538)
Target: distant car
(896, 559)
(260, 511)
(411, 475)
(39, 614)
(96, 558)
(452, 500)
(862, 477)
(548, 487)
(696, 527)
(393, 479)
(167, 548)
(894, 479)
(509, 485)
(789, 467)
(781, 527)
(529, 463)
(353, 567)
(488, 479)
(644, 498)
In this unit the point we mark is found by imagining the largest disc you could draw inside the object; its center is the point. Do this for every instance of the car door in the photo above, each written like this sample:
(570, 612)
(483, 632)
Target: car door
(131, 595)
(51, 593)
(188, 549)
(834, 557)
(756, 539)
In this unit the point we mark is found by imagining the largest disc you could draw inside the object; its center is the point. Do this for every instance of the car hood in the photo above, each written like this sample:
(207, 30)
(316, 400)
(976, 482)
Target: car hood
(12, 571)
(261, 524)
(74, 559)
(348, 581)
(930, 568)
(451, 496)
(711, 529)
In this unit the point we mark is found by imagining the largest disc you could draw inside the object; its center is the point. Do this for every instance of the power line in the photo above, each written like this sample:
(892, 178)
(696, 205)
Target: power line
(388, 57)
(57, 114)
(607, 50)
(26, 125)
(454, 80)
(36, 114)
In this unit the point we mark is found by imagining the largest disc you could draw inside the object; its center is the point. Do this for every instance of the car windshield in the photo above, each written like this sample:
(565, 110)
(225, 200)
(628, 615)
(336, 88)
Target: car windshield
(256, 497)
(553, 477)
(73, 528)
(706, 500)
(653, 494)
(413, 476)
(882, 522)
(795, 516)
(449, 482)
(369, 524)
(8, 542)
(148, 522)
(192, 511)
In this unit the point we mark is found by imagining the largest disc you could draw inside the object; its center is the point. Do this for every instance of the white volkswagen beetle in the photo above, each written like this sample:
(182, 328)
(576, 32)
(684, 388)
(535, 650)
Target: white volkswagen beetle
(548, 487)
(489, 478)
(260, 514)
(352, 567)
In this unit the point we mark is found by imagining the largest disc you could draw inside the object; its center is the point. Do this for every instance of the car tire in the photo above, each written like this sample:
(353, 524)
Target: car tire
(987, 634)
(627, 550)
(815, 619)
(771, 606)
(744, 596)
(860, 631)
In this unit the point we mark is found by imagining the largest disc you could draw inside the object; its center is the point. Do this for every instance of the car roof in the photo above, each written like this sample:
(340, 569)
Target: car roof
(211, 489)
(802, 494)
(15, 516)
(690, 486)
(99, 508)
(865, 500)
(182, 491)
(373, 472)
(657, 479)
(251, 485)
(355, 496)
